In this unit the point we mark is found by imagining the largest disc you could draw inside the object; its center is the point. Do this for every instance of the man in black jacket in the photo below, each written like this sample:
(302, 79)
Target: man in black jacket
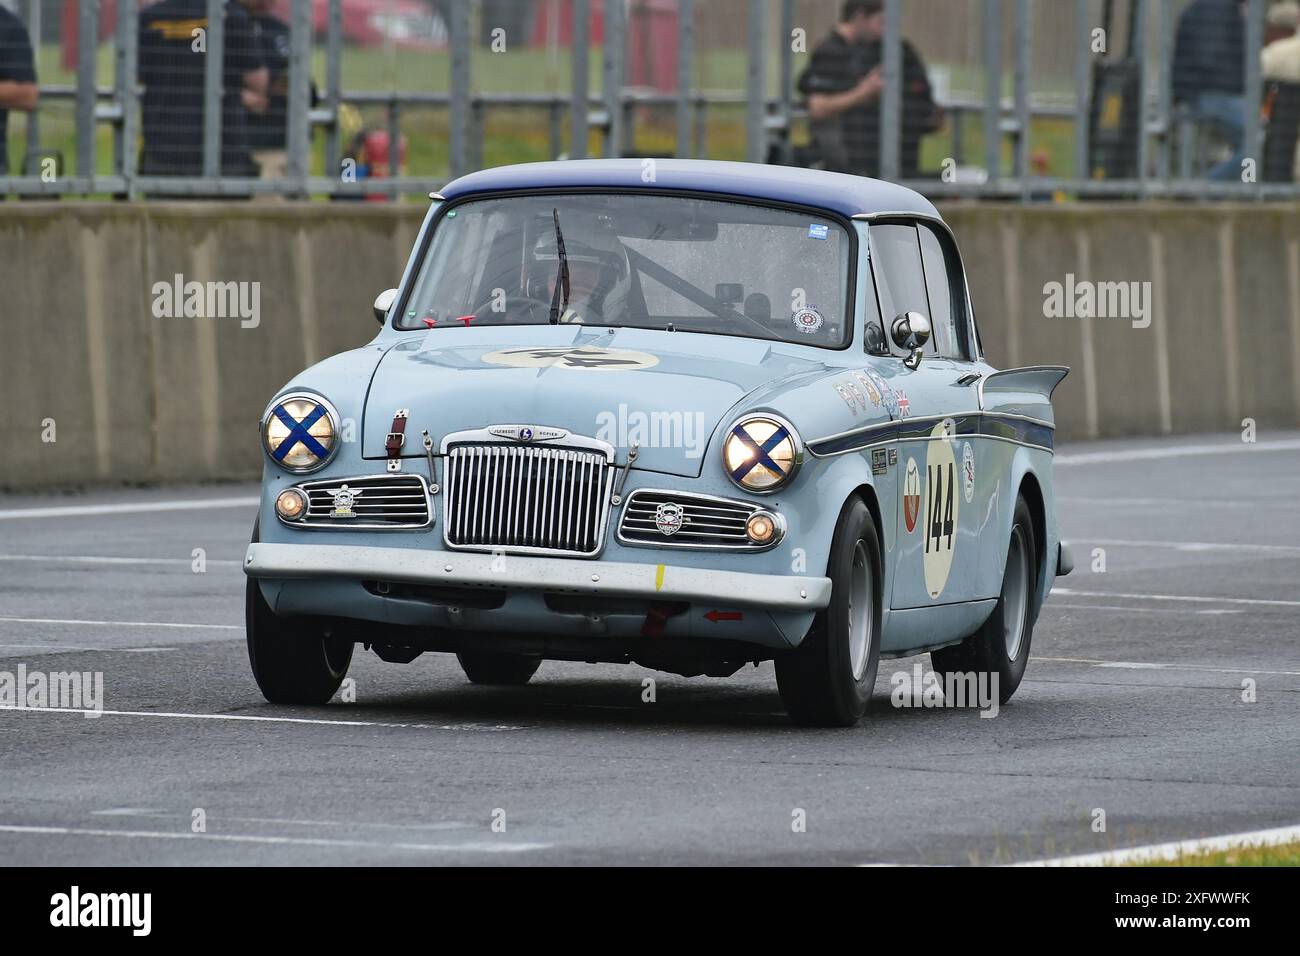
(173, 44)
(1209, 73)
(843, 86)
(18, 89)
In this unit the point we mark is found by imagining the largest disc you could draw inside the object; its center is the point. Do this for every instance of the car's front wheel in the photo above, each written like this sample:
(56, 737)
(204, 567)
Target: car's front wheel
(827, 680)
(295, 660)
(498, 669)
(999, 650)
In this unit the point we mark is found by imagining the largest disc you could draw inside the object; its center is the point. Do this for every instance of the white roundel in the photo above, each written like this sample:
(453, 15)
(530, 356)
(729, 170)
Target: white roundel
(941, 509)
(968, 472)
(581, 358)
(808, 320)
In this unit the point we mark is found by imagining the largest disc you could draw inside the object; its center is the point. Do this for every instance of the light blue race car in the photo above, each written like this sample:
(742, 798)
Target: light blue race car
(685, 414)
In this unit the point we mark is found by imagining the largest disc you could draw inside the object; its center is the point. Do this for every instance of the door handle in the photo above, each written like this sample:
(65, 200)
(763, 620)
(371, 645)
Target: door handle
(970, 378)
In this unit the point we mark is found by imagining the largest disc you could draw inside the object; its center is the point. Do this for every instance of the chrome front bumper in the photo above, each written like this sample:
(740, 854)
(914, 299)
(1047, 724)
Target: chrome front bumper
(521, 572)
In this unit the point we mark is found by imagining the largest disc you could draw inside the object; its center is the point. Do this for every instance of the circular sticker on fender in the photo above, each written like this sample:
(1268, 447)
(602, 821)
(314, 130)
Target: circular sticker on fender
(941, 509)
(968, 473)
(582, 358)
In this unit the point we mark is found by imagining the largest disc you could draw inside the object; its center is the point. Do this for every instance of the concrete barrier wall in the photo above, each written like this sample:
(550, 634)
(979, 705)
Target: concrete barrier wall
(135, 398)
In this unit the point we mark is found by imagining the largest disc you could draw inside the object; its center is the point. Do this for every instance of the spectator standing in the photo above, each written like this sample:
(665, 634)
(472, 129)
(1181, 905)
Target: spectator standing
(1209, 74)
(843, 86)
(173, 41)
(18, 90)
(268, 131)
(1280, 61)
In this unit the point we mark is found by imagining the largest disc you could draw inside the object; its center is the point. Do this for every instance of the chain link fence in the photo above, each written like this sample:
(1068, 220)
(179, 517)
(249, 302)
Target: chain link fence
(380, 99)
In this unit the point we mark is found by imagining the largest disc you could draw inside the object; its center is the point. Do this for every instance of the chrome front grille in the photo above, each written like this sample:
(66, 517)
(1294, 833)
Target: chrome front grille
(527, 498)
(693, 521)
(372, 501)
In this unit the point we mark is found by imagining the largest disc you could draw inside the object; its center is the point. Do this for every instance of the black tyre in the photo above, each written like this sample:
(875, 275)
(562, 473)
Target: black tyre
(827, 680)
(498, 669)
(295, 660)
(1001, 646)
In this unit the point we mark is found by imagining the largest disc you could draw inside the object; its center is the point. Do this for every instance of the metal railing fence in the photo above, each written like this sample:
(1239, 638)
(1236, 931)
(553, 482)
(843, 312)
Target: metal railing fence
(1108, 124)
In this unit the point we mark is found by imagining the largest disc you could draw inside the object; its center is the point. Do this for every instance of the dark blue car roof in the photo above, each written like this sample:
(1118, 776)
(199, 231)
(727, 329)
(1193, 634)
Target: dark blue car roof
(837, 192)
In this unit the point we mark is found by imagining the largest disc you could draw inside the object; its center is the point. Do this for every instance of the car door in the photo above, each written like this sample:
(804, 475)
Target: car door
(942, 502)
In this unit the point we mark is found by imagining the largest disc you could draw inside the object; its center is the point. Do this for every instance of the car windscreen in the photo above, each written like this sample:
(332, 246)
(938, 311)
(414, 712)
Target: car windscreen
(643, 261)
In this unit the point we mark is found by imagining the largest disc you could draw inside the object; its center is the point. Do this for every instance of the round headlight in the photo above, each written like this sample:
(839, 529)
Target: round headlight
(300, 433)
(761, 453)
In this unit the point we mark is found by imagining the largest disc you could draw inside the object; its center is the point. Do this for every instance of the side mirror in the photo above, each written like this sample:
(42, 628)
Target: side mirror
(910, 331)
(383, 304)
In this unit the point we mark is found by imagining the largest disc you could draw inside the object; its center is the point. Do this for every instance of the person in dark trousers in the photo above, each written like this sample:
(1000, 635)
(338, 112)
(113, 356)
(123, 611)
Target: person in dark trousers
(843, 86)
(173, 44)
(18, 90)
(268, 131)
(1209, 74)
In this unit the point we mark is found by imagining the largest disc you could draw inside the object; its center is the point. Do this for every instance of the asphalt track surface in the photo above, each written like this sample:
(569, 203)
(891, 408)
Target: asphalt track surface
(1133, 704)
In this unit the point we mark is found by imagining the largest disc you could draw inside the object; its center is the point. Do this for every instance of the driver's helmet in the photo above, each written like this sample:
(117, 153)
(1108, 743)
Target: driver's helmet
(599, 272)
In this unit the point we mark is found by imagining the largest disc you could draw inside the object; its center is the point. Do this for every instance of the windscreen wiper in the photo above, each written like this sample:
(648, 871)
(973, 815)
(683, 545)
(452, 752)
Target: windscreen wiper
(562, 279)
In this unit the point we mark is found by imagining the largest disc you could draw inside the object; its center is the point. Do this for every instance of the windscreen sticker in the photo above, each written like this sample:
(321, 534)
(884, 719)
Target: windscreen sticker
(819, 231)
(941, 509)
(582, 358)
(808, 320)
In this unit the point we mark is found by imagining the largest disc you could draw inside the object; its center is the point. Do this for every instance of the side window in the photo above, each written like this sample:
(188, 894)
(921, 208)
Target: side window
(947, 303)
(899, 274)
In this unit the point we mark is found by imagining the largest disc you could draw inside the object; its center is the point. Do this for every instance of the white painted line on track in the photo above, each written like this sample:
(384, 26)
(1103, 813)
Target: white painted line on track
(1189, 598)
(129, 507)
(1192, 546)
(1165, 666)
(86, 712)
(80, 647)
(59, 620)
(104, 559)
(290, 821)
(1175, 451)
(1054, 606)
(1164, 852)
(1158, 502)
(478, 846)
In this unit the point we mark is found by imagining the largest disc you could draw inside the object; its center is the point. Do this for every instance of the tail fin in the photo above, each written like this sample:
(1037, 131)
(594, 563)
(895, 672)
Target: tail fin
(1023, 391)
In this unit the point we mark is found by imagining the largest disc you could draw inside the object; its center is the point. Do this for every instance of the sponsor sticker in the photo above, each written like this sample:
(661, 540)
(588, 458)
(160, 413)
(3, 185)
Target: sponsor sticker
(808, 320)
(879, 461)
(911, 495)
(869, 387)
(968, 472)
(819, 231)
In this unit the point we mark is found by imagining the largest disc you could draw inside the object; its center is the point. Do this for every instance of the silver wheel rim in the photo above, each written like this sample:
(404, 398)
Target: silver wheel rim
(861, 611)
(1015, 594)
